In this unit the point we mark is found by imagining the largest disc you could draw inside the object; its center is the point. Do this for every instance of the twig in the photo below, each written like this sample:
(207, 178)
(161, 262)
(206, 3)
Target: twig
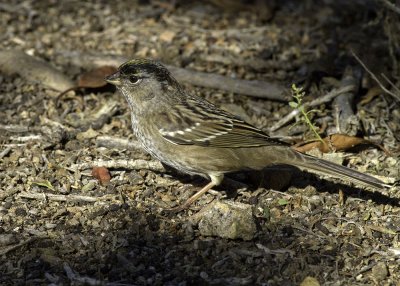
(14, 128)
(326, 98)
(390, 82)
(15, 145)
(125, 164)
(346, 121)
(118, 143)
(14, 61)
(275, 251)
(32, 137)
(59, 198)
(255, 88)
(391, 6)
(64, 198)
(5, 152)
(13, 247)
(396, 96)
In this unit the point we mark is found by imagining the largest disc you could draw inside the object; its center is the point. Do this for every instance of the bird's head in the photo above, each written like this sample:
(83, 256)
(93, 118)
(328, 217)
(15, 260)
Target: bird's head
(143, 81)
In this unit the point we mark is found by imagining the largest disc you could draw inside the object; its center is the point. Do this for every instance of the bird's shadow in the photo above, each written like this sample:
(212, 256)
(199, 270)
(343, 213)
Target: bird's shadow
(280, 178)
(323, 185)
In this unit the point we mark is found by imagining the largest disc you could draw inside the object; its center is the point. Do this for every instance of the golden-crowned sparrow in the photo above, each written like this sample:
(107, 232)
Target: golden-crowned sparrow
(194, 136)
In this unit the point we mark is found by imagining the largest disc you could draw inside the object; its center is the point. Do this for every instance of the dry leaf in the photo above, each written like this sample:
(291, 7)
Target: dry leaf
(336, 142)
(102, 174)
(44, 183)
(371, 94)
(95, 78)
(90, 79)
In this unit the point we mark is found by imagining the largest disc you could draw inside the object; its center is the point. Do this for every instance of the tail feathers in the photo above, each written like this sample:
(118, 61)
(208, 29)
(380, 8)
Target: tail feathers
(317, 165)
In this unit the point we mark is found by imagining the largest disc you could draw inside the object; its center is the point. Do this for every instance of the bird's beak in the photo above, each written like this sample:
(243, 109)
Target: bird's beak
(114, 78)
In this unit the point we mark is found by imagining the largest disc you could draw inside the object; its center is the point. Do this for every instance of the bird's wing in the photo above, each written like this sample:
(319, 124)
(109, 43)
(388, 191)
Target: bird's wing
(201, 123)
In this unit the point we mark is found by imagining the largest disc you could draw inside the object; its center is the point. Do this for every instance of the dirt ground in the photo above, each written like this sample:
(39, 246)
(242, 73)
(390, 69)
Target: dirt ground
(59, 225)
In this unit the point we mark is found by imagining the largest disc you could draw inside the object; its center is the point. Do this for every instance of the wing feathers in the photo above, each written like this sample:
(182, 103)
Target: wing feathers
(195, 123)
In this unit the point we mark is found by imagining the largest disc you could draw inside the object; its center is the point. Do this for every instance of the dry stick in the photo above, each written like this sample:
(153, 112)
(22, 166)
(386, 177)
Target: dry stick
(64, 198)
(391, 6)
(125, 164)
(13, 247)
(17, 62)
(31, 137)
(346, 121)
(326, 98)
(5, 152)
(14, 128)
(255, 88)
(396, 96)
(390, 82)
(118, 143)
(275, 251)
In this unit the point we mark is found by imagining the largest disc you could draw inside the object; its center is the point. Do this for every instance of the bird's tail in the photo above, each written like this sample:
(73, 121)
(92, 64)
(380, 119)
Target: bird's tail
(317, 165)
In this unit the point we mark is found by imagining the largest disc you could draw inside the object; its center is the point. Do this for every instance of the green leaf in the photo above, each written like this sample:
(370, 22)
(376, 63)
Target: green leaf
(293, 104)
(44, 183)
(283, 202)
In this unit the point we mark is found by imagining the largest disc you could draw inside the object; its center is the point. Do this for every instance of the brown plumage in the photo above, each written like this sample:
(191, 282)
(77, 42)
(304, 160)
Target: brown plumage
(194, 136)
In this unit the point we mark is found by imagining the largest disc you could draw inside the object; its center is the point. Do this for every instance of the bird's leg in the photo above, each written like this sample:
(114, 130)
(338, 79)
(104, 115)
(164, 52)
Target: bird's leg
(193, 198)
(215, 181)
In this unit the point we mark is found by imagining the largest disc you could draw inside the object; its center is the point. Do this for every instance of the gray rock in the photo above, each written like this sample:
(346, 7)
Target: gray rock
(380, 271)
(227, 220)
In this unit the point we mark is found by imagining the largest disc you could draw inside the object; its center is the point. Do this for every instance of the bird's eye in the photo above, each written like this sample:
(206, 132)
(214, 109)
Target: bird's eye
(134, 79)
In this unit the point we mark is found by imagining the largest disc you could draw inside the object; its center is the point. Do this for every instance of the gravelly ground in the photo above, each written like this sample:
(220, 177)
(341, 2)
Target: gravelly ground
(59, 226)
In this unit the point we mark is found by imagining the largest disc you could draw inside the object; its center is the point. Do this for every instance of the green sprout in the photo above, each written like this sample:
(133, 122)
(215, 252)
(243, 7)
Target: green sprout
(298, 95)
